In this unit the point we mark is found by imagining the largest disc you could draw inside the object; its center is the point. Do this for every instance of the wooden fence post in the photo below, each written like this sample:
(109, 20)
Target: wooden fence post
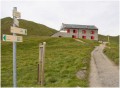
(41, 63)
(39, 67)
(38, 75)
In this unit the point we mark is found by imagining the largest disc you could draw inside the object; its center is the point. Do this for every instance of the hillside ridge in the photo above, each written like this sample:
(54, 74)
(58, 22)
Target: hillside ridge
(33, 28)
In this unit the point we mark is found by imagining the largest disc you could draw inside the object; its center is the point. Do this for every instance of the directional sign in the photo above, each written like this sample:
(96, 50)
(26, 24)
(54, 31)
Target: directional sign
(12, 38)
(16, 14)
(18, 30)
(16, 22)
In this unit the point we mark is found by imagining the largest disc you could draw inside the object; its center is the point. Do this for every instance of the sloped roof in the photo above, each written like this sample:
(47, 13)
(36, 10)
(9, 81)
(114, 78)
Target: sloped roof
(78, 26)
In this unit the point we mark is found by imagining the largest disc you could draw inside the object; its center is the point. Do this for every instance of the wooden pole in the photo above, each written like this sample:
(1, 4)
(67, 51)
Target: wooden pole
(39, 68)
(43, 61)
(38, 75)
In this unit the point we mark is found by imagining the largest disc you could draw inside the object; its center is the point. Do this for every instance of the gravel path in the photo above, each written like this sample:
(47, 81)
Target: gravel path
(104, 73)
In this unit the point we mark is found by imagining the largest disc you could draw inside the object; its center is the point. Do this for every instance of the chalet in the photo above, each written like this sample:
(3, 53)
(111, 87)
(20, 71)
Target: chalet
(78, 31)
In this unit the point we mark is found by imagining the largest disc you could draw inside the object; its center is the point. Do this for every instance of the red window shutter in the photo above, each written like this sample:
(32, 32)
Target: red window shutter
(84, 37)
(75, 31)
(74, 36)
(92, 32)
(68, 30)
(91, 37)
(84, 31)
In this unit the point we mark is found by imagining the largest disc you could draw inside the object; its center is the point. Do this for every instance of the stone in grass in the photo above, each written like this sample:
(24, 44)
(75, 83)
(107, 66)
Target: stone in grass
(84, 61)
(81, 74)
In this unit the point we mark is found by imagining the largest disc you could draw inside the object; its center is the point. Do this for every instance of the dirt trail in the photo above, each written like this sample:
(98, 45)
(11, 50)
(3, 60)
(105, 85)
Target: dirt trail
(104, 73)
(80, 41)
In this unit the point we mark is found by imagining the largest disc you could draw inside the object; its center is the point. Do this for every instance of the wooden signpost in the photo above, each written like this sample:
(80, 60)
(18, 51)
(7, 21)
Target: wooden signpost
(13, 38)
(41, 64)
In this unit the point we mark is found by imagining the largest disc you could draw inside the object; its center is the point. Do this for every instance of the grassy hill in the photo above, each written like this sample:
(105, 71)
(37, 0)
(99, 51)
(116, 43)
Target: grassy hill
(111, 38)
(112, 49)
(63, 59)
(102, 38)
(32, 27)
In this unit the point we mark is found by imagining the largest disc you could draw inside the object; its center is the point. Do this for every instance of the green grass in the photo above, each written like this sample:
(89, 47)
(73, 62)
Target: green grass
(63, 59)
(112, 49)
(32, 27)
(102, 38)
(90, 42)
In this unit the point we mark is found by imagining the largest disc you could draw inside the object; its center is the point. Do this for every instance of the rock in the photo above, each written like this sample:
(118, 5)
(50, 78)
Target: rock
(81, 74)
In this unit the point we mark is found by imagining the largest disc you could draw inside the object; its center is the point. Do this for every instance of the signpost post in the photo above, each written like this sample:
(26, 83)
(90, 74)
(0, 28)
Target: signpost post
(13, 38)
(14, 52)
(16, 22)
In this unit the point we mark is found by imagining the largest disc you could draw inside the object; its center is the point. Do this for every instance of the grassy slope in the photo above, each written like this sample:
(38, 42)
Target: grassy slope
(32, 27)
(102, 38)
(64, 57)
(112, 49)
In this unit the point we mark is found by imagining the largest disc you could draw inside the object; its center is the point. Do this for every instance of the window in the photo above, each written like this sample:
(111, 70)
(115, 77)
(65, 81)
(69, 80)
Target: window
(73, 36)
(74, 31)
(84, 37)
(68, 30)
(84, 31)
(92, 37)
(92, 32)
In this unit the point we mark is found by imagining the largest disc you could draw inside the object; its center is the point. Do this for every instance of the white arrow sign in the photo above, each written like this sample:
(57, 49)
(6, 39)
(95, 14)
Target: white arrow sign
(12, 38)
(18, 30)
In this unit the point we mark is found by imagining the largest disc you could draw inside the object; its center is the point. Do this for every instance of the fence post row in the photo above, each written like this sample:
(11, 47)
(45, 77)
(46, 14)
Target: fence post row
(41, 63)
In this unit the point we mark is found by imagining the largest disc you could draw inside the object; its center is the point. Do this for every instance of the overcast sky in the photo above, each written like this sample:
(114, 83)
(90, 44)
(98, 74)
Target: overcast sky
(52, 13)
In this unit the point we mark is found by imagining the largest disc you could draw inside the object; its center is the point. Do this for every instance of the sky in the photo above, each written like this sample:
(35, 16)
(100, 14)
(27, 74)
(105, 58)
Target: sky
(103, 14)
